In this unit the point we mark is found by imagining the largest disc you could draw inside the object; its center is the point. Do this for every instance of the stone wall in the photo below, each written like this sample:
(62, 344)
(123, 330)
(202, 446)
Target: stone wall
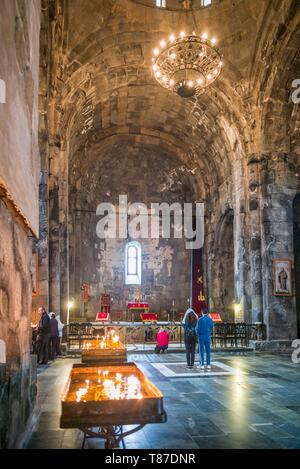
(165, 275)
(18, 374)
(19, 214)
(19, 66)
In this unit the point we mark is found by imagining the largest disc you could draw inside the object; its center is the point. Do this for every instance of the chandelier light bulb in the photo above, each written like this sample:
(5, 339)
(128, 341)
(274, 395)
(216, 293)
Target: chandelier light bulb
(204, 36)
(200, 81)
(214, 40)
(156, 51)
(182, 34)
(209, 77)
(164, 79)
(172, 82)
(154, 67)
(173, 56)
(158, 74)
(162, 43)
(220, 63)
(190, 83)
(172, 38)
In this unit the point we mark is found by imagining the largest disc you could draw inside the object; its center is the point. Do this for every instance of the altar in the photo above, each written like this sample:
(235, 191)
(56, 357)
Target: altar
(139, 332)
(135, 308)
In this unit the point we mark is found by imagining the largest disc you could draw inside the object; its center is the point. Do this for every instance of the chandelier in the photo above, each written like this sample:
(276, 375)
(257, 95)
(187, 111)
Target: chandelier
(187, 64)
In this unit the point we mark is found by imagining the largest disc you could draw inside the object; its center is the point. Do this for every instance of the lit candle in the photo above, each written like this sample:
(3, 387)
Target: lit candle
(80, 393)
(115, 339)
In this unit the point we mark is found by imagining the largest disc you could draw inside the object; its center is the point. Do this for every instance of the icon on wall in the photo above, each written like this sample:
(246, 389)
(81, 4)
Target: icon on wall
(282, 269)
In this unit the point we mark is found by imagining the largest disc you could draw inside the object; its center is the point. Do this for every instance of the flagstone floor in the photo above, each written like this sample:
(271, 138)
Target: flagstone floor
(247, 401)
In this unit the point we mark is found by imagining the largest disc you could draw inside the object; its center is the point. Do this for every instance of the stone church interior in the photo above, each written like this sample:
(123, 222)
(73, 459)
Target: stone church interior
(149, 224)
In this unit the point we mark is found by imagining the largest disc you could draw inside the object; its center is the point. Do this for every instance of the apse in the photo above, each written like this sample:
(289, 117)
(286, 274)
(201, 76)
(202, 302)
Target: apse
(145, 174)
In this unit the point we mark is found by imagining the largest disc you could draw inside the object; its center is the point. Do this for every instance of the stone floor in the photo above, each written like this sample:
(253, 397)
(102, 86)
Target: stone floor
(255, 406)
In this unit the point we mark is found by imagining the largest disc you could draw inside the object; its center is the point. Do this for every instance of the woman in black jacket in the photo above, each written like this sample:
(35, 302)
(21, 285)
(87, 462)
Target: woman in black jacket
(190, 336)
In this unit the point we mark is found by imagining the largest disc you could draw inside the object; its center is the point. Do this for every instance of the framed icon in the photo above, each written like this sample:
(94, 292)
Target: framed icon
(282, 269)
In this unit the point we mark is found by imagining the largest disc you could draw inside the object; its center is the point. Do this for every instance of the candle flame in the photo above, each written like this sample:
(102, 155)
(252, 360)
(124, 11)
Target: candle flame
(116, 387)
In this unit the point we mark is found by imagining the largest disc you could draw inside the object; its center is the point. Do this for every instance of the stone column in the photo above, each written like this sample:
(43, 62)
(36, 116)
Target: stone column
(241, 248)
(254, 201)
(64, 233)
(54, 252)
(277, 242)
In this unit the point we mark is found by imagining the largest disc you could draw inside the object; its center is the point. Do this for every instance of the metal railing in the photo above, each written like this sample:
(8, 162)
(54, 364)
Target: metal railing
(236, 335)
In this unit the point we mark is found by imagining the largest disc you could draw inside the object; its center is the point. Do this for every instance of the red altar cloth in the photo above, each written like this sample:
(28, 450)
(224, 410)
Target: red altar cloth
(149, 317)
(102, 317)
(215, 317)
(135, 305)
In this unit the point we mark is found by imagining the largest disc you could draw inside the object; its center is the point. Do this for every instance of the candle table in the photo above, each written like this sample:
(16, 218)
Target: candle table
(100, 401)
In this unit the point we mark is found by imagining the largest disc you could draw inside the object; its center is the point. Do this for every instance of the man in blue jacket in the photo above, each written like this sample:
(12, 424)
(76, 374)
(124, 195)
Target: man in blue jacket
(204, 327)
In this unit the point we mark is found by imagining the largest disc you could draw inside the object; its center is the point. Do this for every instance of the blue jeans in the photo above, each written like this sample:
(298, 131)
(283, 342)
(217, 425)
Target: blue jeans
(204, 342)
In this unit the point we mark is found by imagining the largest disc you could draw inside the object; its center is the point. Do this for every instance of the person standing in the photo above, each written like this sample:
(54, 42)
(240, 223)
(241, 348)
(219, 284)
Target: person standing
(43, 336)
(189, 324)
(204, 327)
(54, 337)
(60, 334)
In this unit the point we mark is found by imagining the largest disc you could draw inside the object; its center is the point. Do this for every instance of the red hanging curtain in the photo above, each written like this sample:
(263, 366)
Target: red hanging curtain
(198, 296)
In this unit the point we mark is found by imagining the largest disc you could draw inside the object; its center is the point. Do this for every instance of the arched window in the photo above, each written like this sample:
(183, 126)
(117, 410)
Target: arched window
(133, 263)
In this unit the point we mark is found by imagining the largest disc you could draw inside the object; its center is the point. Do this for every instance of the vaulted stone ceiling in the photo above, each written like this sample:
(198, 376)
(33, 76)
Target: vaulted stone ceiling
(105, 93)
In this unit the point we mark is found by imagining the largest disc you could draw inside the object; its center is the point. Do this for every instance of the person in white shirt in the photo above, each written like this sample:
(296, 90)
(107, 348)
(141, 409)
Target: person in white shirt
(60, 332)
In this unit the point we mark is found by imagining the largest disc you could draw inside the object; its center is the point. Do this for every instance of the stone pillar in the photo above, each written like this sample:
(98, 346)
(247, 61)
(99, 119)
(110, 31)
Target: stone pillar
(255, 239)
(64, 234)
(41, 245)
(58, 232)
(241, 248)
(277, 242)
(41, 248)
(54, 253)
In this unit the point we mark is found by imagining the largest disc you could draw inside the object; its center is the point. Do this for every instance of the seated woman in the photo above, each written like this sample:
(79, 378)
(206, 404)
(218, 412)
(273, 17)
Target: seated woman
(162, 341)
